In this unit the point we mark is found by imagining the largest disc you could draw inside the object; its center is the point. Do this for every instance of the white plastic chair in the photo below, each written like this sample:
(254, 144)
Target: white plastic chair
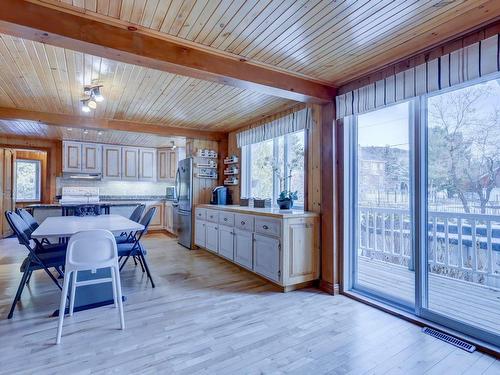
(88, 251)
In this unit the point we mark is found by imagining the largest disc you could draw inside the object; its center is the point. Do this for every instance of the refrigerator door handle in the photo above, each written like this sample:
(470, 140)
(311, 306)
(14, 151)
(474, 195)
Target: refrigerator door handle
(177, 185)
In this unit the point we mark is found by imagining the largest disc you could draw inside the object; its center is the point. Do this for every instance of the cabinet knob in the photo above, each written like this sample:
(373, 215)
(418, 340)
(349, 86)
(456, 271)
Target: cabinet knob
(265, 227)
(242, 223)
(225, 219)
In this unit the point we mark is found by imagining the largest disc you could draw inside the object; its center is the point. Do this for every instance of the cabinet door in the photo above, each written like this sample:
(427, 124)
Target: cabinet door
(226, 242)
(72, 157)
(243, 248)
(266, 256)
(212, 237)
(111, 160)
(147, 164)
(199, 233)
(172, 164)
(162, 159)
(130, 163)
(169, 217)
(157, 220)
(91, 158)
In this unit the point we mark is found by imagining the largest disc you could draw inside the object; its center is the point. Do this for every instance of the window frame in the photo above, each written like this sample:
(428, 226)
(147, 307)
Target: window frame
(38, 178)
(246, 163)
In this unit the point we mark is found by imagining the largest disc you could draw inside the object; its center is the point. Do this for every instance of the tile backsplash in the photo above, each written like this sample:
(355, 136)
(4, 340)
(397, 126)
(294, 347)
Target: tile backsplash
(117, 187)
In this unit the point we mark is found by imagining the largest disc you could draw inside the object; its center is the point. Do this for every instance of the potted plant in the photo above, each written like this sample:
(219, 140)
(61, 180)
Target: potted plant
(286, 197)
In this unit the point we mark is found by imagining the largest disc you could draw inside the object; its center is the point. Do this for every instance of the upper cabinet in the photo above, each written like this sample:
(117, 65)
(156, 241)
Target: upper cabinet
(91, 158)
(120, 162)
(147, 164)
(72, 157)
(130, 163)
(112, 162)
(167, 164)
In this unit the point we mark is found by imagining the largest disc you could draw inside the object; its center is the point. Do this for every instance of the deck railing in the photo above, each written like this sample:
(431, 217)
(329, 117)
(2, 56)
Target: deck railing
(461, 246)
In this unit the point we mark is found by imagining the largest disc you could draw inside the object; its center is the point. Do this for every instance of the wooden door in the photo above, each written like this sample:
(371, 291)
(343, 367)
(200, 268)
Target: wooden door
(130, 163)
(147, 164)
(199, 233)
(91, 158)
(212, 237)
(111, 159)
(243, 242)
(226, 242)
(8, 197)
(266, 256)
(72, 156)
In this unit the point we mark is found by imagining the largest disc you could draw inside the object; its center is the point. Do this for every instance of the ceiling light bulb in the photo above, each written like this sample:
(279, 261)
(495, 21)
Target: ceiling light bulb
(92, 104)
(99, 133)
(85, 108)
(85, 131)
(97, 95)
(70, 129)
(174, 147)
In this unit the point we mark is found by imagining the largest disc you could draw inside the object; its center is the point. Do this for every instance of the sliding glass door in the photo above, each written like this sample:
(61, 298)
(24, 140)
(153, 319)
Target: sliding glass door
(383, 220)
(462, 276)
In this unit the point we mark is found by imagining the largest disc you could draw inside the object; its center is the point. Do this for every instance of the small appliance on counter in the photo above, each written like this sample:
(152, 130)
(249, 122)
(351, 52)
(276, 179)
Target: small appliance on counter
(79, 195)
(221, 196)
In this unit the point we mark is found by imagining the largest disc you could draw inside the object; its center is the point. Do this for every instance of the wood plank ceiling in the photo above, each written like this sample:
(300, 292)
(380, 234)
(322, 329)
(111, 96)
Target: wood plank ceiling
(333, 41)
(44, 78)
(36, 129)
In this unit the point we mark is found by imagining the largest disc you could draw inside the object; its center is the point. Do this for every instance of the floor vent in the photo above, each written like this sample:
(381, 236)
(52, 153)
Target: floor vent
(449, 339)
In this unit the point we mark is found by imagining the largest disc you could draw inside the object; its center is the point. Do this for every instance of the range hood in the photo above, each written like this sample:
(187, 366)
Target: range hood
(81, 176)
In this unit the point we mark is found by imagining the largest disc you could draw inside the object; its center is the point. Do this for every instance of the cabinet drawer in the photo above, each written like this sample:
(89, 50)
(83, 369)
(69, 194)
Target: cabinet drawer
(271, 227)
(212, 215)
(226, 218)
(244, 222)
(201, 214)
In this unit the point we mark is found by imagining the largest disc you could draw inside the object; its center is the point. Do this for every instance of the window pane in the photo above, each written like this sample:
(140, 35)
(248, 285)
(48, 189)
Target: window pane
(27, 180)
(295, 164)
(261, 173)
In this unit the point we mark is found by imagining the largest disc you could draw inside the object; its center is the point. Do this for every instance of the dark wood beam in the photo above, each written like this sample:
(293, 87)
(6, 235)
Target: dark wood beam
(82, 32)
(82, 122)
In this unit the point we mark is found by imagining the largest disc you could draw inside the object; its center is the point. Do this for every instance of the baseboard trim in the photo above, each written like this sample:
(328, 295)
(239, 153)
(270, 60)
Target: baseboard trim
(328, 287)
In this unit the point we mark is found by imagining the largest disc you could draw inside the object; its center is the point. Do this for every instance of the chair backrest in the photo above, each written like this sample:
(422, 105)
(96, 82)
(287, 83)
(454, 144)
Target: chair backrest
(146, 220)
(20, 228)
(28, 218)
(87, 210)
(137, 213)
(91, 249)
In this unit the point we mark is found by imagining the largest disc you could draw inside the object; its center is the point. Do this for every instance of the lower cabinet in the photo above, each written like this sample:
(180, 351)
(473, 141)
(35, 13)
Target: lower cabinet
(243, 244)
(211, 237)
(226, 242)
(169, 217)
(199, 233)
(266, 256)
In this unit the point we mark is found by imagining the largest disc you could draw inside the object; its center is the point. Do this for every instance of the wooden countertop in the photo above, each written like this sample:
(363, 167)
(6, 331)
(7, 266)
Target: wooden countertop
(272, 212)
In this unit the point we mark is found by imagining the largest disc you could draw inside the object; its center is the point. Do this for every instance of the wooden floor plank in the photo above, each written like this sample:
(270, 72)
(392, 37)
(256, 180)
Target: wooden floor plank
(207, 316)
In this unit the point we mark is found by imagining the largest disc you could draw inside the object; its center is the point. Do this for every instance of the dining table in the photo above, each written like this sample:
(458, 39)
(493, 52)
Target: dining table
(63, 227)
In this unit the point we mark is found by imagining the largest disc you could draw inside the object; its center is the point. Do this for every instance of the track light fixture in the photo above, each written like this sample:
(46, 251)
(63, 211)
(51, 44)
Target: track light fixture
(93, 96)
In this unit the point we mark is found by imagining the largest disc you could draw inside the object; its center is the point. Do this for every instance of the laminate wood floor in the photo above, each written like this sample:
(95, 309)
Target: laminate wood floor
(206, 316)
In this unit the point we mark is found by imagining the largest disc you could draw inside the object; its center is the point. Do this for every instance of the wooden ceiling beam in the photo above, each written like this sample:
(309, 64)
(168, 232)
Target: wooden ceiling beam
(83, 122)
(81, 32)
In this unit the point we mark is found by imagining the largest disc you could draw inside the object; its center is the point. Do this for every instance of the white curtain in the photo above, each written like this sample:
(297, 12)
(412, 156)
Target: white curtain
(288, 124)
(476, 60)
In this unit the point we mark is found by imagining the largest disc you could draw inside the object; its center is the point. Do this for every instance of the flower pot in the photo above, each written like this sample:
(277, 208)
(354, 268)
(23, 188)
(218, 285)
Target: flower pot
(285, 204)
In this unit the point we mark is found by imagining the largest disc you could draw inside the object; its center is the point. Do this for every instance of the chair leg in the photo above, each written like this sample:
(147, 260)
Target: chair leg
(62, 308)
(141, 255)
(135, 261)
(29, 277)
(19, 292)
(118, 288)
(142, 265)
(125, 261)
(113, 282)
(52, 277)
(73, 292)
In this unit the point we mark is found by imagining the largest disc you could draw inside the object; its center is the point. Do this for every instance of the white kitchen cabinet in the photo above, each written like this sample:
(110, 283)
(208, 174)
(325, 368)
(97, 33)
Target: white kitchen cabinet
(167, 164)
(72, 156)
(266, 256)
(169, 217)
(243, 244)
(91, 158)
(212, 237)
(226, 242)
(147, 164)
(111, 162)
(283, 248)
(130, 163)
(200, 233)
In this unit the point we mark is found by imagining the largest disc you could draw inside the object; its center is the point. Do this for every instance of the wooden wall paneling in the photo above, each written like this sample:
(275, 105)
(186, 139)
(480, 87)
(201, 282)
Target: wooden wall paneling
(329, 262)
(8, 204)
(314, 152)
(232, 149)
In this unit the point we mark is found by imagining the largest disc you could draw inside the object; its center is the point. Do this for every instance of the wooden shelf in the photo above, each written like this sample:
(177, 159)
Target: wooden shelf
(205, 166)
(208, 177)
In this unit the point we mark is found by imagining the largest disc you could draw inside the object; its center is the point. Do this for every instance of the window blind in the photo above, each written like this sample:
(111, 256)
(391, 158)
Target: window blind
(465, 64)
(287, 124)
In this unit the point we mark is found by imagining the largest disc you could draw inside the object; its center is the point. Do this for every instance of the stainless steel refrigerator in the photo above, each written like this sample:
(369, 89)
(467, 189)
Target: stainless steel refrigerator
(183, 205)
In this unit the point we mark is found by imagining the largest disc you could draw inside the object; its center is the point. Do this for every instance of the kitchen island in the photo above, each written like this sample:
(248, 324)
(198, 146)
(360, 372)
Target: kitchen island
(281, 246)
